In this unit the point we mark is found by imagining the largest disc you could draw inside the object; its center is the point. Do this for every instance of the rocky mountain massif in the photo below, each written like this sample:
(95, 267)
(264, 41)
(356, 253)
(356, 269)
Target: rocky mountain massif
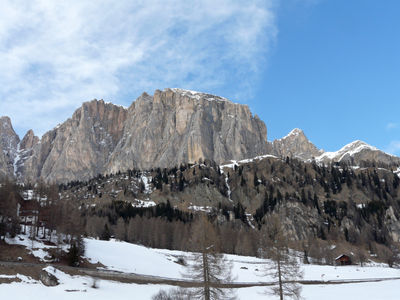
(172, 127)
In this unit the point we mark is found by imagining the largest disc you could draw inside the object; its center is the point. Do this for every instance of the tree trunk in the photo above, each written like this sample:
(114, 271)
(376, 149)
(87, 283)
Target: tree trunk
(280, 278)
(206, 277)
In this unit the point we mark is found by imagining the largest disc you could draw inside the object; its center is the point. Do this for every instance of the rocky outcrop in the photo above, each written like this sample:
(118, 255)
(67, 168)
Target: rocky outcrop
(79, 148)
(177, 126)
(47, 278)
(295, 145)
(9, 143)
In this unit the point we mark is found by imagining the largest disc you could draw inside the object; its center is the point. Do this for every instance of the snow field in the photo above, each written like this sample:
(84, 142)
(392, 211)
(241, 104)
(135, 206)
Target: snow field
(131, 258)
(76, 288)
(126, 257)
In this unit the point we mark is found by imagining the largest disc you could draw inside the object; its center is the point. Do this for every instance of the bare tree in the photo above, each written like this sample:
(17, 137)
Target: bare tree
(120, 229)
(51, 209)
(173, 294)
(362, 258)
(208, 266)
(285, 267)
(389, 254)
(9, 223)
(306, 245)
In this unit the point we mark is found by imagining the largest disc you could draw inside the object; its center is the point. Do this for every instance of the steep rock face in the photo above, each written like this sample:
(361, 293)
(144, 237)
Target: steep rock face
(9, 142)
(80, 147)
(295, 145)
(357, 152)
(172, 127)
(24, 151)
(176, 126)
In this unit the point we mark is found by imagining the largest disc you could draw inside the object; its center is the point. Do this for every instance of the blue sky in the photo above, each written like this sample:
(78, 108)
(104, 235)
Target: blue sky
(330, 67)
(335, 73)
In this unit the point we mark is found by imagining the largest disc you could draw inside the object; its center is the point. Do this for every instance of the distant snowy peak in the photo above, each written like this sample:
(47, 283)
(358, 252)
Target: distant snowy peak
(297, 145)
(350, 149)
(356, 152)
(347, 151)
(358, 146)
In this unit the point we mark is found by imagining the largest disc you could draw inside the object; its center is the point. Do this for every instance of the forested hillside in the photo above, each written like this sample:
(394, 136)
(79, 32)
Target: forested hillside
(335, 204)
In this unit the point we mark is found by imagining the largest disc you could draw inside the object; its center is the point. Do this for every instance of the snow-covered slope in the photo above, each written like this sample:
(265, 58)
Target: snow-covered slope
(356, 152)
(234, 163)
(348, 150)
(131, 258)
(127, 257)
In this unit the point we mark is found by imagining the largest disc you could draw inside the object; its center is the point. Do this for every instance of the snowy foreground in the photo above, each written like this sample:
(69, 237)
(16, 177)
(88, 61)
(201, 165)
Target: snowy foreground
(130, 258)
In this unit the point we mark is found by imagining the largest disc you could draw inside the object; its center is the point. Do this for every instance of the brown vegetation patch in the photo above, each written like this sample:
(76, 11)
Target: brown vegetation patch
(13, 252)
(29, 270)
(9, 280)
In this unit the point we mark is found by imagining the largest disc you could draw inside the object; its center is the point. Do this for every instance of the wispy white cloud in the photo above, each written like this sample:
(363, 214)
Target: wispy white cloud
(56, 54)
(393, 148)
(390, 126)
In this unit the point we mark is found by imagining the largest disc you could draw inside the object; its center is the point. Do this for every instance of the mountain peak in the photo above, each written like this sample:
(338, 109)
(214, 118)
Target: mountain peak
(196, 95)
(5, 121)
(100, 103)
(356, 147)
(295, 132)
(295, 144)
(29, 140)
(357, 144)
(6, 128)
(356, 152)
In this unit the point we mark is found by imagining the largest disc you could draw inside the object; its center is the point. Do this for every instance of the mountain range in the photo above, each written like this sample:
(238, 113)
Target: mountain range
(164, 130)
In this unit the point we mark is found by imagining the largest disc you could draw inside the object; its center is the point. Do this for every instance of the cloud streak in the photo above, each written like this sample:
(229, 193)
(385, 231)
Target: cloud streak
(57, 54)
(393, 148)
(391, 126)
